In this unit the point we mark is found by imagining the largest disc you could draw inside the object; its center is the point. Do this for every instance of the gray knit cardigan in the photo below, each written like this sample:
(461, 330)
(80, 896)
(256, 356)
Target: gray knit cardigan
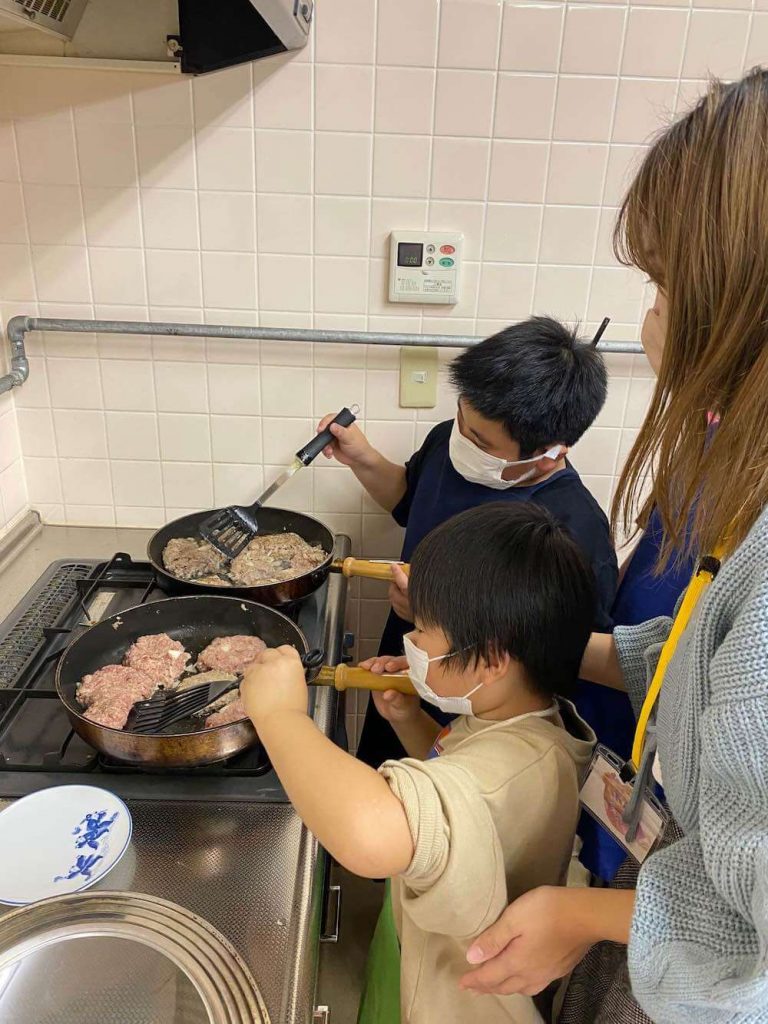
(698, 949)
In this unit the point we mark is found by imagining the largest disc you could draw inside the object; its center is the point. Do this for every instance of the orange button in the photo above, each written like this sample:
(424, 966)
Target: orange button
(447, 249)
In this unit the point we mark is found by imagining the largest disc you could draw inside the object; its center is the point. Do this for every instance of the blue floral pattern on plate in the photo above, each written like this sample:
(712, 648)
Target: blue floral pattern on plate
(60, 839)
(93, 833)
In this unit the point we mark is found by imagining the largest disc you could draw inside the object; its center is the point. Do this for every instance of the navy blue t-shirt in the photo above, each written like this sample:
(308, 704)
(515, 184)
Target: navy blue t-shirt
(642, 596)
(435, 492)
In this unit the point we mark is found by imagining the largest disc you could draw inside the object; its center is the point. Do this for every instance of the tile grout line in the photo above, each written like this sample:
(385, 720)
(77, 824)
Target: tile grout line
(203, 299)
(313, 260)
(602, 207)
(429, 198)
(151, 359)
(257, 272)
(548, 158)
(489, 166)
(206, 377)
(369, 276)
(33, 277)
(89, 269)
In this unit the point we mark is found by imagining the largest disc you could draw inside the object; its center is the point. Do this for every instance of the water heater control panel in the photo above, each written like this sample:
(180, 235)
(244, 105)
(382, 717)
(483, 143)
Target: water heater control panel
(425, 266)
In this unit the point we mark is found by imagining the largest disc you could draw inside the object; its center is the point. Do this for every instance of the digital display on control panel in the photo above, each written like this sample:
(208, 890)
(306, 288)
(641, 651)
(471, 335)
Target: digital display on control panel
(409, 254)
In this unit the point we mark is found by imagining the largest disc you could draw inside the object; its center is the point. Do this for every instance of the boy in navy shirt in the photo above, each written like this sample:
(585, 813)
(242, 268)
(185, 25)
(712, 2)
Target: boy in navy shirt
(525, 396)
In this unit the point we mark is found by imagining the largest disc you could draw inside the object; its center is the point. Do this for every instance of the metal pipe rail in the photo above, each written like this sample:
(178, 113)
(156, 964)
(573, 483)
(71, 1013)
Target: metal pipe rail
(20, 326)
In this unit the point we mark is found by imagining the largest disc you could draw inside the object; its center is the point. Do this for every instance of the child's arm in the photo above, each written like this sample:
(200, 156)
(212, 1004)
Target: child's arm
(348, 806)
(384, 480)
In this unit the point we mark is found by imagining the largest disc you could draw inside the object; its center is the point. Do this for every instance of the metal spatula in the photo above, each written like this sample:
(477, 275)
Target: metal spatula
(231, 529)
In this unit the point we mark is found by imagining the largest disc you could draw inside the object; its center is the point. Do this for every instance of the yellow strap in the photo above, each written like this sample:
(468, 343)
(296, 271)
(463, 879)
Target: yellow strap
(699, 583)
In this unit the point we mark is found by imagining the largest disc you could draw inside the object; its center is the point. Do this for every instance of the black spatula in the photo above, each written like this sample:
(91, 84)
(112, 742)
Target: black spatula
(230, 530)
(163, 709)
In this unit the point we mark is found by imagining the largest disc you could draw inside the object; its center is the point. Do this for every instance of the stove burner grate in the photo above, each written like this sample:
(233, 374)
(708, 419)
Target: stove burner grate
(35, 733)
(28, 634)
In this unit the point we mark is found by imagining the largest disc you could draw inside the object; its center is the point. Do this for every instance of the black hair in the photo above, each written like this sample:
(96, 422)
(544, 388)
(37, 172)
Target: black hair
(537, 379)
(507, 578)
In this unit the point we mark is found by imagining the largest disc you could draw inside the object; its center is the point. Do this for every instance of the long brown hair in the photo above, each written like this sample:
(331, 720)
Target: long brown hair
(695, 220)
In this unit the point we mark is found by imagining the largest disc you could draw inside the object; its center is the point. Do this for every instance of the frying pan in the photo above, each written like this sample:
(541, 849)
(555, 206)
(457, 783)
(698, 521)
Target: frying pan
(271, 520)
(194, 620)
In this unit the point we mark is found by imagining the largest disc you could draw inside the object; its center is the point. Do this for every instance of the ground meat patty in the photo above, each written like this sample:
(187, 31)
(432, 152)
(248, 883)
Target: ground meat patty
(190, 558)
(107, 683)
(231, 713)
(157, 656)
(113, 711)
(230, 653)
(269, 558)
(111, 692)
(273, 558)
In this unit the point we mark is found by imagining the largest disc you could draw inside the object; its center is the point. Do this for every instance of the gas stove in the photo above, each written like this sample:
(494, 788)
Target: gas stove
(222, 842)
(37, 745)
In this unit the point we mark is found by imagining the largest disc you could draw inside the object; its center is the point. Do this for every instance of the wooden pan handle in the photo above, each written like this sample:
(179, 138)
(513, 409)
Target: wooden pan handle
(368, 569)
(345, 677)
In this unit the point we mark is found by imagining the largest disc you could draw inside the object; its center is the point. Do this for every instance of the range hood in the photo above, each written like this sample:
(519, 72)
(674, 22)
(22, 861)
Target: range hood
(187, 36)
(60, 18)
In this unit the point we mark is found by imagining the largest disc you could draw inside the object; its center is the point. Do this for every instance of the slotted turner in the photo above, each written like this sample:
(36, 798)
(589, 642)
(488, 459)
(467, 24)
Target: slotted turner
(162, 710)
(230, 530)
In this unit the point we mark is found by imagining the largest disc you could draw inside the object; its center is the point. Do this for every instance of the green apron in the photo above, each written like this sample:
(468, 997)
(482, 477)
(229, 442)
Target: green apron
(380, 1003)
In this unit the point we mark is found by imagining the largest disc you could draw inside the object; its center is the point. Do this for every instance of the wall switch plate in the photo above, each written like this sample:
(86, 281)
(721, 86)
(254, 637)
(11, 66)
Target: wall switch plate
(418, 378)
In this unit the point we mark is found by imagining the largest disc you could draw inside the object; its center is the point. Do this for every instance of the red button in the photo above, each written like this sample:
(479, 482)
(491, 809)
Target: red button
(447, 249)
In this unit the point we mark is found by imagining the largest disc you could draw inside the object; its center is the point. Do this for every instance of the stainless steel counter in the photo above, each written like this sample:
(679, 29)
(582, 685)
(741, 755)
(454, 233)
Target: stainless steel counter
(250, 870)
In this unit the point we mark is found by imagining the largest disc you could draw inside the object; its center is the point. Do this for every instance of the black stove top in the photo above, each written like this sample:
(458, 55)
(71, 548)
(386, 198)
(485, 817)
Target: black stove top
(38, 747)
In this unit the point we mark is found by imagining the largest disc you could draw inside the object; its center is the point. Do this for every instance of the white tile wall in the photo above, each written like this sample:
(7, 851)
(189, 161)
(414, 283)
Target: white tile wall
(264, 195)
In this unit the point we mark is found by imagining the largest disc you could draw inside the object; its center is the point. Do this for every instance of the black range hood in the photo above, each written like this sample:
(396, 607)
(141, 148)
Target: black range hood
(216, 34)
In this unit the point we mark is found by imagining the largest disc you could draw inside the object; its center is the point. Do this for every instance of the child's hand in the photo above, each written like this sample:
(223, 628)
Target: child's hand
(386, 663)
(392, 705)
(395, 706)
(351, 447)
(274, 682)
(398, 593)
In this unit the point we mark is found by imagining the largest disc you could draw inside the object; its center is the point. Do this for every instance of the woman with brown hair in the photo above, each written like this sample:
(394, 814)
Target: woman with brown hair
(696, 923)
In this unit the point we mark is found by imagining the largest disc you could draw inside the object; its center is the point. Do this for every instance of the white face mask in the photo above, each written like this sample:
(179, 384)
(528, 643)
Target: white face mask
(418, 666)
(478, 467)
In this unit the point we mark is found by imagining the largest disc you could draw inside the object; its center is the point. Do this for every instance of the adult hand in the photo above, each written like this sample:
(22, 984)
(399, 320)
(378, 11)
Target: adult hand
(274, 683)
(538, 938)
(350, 447)
(398, 593)
(391, 704)
(385, 663)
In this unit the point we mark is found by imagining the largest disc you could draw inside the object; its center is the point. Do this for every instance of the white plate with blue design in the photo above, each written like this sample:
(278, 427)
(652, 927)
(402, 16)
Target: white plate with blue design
(60, 840)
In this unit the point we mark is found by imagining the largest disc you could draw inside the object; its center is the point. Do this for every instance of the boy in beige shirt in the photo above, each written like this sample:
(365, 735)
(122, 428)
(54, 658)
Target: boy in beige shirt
(483, 812)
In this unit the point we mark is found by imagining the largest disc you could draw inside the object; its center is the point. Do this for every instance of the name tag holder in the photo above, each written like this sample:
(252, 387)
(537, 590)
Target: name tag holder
(619, 794)
(609, 793)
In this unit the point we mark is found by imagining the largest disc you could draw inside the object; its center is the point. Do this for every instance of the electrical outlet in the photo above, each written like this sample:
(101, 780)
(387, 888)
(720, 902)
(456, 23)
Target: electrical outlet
(418, 378)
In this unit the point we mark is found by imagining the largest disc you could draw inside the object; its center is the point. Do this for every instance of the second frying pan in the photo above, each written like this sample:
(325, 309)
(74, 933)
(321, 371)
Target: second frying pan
(271, 520)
